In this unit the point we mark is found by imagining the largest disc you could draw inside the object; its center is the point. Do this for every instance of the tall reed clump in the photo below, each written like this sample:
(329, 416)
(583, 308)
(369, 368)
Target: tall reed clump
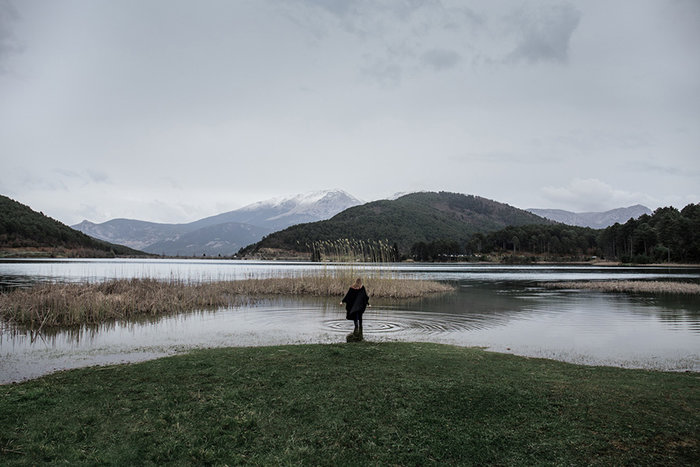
(336, 281)
(57, 304)
(72, 304)
(347, 249)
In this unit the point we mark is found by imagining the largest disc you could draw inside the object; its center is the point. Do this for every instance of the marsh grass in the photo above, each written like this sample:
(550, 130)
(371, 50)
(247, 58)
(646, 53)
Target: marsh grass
(656, 287)
(60, 304)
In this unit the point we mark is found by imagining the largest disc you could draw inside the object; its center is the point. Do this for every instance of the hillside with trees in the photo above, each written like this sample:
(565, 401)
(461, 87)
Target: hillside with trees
(390, 227)
(25, 232)
(519, 243)
(668, 235)
(558, 242)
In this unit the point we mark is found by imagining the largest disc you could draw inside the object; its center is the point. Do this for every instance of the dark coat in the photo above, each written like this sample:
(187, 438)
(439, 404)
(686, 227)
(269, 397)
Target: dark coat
(356, 301)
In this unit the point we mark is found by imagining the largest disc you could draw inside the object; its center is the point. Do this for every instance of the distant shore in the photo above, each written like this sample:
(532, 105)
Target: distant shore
(62, 253)
(49, 253)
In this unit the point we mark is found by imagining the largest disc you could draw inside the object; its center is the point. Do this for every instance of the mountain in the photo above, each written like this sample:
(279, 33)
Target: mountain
(213, 240)
(412, 218)
(279, 213)
(595, 220)
(224, 233)
(133, 233)
(24, 231)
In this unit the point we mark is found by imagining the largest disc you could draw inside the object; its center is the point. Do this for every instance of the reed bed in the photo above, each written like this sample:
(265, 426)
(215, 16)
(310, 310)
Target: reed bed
(57, 304)
(657, 287)
(345, 249)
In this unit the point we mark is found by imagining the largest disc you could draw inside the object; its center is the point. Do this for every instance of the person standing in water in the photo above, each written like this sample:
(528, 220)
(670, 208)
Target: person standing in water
(356, 301)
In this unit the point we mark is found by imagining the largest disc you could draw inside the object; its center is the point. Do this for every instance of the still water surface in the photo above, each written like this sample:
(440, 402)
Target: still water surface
(502, 308)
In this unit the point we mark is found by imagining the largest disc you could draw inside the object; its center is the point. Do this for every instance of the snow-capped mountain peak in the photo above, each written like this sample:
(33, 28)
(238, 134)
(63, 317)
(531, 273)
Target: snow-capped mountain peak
(320, 205)
(303, 199)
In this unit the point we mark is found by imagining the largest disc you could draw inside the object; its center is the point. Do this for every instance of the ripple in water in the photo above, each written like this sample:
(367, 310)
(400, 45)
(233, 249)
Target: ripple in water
(414, 322)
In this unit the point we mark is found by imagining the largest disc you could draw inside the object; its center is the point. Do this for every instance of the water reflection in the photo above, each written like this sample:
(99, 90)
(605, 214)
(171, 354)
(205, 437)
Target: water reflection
(503, 312)
(24, 271)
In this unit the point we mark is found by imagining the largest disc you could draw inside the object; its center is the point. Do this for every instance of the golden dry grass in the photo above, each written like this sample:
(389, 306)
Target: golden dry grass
(57, 304)
(659, 287)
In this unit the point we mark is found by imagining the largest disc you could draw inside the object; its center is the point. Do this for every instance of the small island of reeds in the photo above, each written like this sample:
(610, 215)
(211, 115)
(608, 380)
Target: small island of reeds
(655, 287)
(70, 304)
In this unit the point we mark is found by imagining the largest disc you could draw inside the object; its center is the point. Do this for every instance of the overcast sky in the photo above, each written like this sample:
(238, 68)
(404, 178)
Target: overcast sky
(174, 110)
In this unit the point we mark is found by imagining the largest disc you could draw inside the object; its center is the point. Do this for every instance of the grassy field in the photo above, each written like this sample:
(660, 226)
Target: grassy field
(352, 404)
(58, 304)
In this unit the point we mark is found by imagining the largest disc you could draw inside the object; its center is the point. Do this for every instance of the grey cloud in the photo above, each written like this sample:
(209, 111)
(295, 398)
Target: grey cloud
(684, 15)
(544, 33)
(603, 140)
(336, 7)
(97, 176)
(652, 168)
(441, 59)
(317, 16)
(386, 73)
(37, 182)
(368, 17)
(63, 176)
(504, 158)
(460, 18)
(592, 195)
(8, 43)
(355, 9)
(406, 35)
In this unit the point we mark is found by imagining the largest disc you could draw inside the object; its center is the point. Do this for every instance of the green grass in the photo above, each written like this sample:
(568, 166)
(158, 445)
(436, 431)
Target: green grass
(352, 404)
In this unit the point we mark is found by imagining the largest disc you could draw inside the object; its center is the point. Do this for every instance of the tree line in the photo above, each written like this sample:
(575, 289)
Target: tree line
(668, 235)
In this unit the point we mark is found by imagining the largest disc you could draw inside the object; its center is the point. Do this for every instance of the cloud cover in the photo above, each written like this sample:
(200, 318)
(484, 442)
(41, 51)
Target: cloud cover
(171, 111)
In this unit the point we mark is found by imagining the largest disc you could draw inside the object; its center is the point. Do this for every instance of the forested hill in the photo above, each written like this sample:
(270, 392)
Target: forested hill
(668, 235)
(24, 231)
(416, 217)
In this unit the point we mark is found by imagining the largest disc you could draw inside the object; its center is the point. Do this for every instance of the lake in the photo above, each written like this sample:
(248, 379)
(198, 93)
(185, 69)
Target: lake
(501, 308)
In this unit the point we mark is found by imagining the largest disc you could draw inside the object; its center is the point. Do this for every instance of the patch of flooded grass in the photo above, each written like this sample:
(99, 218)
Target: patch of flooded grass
(655, 287)
(351, 404)
(58, 304)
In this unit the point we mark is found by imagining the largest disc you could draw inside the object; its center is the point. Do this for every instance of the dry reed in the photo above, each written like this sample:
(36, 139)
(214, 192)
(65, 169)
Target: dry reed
(56, 304)
(658, 287)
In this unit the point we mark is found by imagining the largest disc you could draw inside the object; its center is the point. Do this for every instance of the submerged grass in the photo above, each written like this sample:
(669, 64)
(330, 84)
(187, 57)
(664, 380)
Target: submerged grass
(352, 404)
(57, 304)
(657, 287)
